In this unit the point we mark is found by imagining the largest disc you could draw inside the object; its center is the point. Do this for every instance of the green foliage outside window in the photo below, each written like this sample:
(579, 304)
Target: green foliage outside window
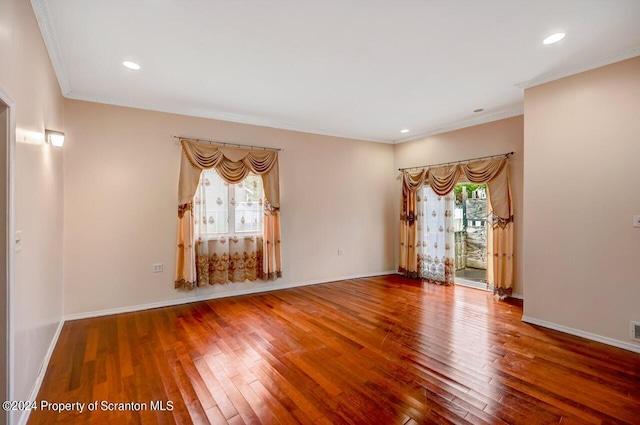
(469, 187)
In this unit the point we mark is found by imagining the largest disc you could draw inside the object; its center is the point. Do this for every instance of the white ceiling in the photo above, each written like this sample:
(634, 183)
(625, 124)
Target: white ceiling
(358, 69)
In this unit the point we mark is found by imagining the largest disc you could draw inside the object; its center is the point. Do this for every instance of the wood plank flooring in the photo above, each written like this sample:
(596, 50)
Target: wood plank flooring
(381, 350)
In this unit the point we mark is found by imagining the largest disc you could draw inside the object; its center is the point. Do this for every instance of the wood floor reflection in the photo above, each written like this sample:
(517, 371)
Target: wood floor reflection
(380, 350)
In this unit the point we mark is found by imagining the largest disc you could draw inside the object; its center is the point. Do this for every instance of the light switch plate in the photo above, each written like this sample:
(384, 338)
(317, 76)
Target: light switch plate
(636, 221)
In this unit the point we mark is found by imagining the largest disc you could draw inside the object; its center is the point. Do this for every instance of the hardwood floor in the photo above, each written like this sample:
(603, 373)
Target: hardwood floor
(382, 350)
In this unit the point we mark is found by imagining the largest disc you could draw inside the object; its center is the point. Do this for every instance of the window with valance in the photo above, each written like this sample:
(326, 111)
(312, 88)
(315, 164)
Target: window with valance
(228, 215)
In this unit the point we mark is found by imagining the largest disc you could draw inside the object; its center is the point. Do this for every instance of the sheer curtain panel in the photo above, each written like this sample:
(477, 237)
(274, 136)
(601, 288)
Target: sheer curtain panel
(436, 237)
(228, 229)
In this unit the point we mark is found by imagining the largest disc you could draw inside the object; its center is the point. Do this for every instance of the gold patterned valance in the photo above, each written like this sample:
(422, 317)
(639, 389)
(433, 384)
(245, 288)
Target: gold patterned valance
(232, 164)
(493, 172)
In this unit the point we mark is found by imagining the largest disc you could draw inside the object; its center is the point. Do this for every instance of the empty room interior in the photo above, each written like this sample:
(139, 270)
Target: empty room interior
(320, 212)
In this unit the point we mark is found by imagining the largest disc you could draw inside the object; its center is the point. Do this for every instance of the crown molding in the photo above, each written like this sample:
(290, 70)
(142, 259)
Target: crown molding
(457, 125)
(43, 17)
(265, 122)
(607, 60)
(213, 114)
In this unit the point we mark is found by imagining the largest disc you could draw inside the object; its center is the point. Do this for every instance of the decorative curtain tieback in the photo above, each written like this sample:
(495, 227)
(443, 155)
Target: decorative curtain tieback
(408, 217)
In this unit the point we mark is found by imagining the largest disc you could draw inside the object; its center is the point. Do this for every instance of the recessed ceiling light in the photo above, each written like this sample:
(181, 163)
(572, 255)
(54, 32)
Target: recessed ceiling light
(404, 130)
(478, 110)
(554, 38)
(131, 65)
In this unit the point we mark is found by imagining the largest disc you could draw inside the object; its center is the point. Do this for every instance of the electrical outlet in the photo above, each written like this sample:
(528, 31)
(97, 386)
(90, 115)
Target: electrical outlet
(157, 268)
(341, 252)
(636, 221)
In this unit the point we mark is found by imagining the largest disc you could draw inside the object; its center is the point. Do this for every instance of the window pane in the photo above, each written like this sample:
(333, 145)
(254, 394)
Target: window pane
(248, 204)
(221, 208)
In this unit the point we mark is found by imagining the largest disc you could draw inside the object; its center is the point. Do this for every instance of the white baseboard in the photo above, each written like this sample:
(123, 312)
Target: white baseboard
(518, 296)
(587, 335)
(169, 303)
(43, 370)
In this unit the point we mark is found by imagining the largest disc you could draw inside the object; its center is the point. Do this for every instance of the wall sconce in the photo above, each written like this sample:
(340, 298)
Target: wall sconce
(54, 138)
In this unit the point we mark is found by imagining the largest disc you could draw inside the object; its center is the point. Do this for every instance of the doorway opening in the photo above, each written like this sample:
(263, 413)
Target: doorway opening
(7, 130)
(470, 226)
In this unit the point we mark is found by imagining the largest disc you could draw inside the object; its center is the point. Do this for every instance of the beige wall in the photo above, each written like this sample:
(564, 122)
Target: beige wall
(27, 76)
(582, 138)
(121, 172)
(487, 139)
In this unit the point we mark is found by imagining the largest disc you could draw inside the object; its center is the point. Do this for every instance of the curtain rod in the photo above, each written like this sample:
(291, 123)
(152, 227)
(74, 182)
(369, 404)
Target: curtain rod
(506, 155)
(213, 142)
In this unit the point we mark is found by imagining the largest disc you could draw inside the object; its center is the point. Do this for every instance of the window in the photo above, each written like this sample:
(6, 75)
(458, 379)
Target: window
(224, 232)
(230, 209)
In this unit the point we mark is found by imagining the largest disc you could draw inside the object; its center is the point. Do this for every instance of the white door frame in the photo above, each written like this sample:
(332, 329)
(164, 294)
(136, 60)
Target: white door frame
(7, 208)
